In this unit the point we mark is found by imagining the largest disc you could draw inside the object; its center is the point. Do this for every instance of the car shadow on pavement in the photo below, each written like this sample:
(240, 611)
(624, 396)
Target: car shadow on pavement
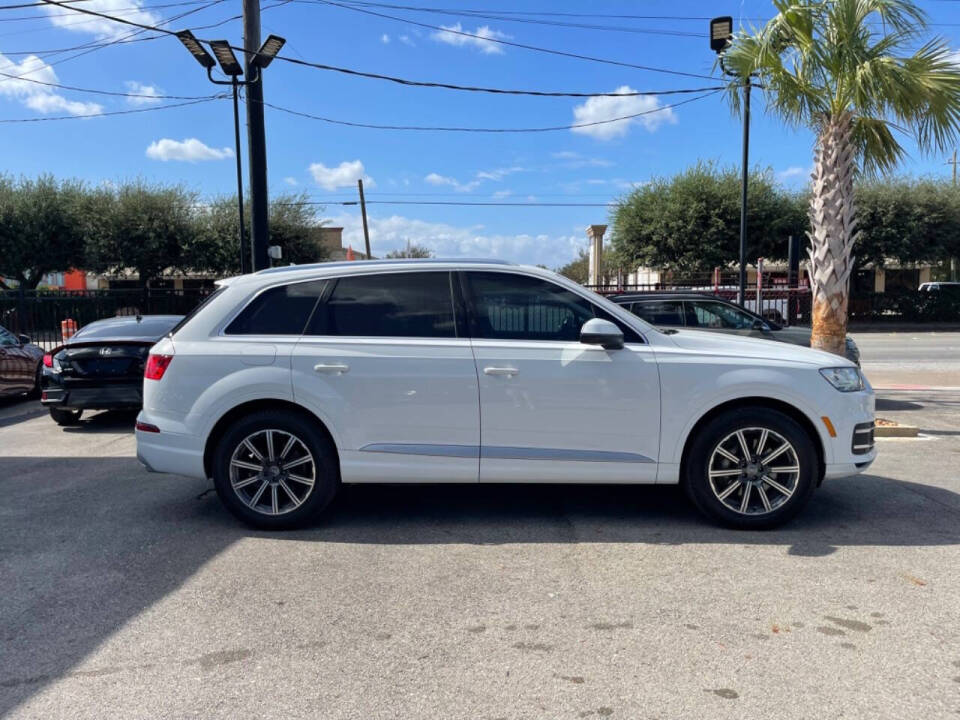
(90, 543)
(110, 421)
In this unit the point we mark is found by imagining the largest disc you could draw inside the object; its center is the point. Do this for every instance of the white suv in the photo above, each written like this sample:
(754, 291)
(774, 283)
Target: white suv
(288, 382)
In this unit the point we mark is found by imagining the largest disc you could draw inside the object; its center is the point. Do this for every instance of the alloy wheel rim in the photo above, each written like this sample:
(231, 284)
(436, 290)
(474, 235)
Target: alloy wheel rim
(754, 471)
(272, 471)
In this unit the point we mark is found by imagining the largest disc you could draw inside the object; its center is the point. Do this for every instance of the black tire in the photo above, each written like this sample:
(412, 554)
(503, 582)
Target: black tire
(35, 393)
(65, 417)
(325, 465)
(751, 421)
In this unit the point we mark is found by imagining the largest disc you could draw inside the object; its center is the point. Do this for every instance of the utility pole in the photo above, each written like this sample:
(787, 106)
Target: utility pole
(363, 212)
(954, 163)
(256, 140)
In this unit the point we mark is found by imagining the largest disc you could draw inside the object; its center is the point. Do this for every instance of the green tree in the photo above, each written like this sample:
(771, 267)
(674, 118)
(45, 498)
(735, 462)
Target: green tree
(214, 247)
(691, 221)
(412, 250)
(578, 270)
(139, 227)
(853, 71)
(906, 220)
(40, 228)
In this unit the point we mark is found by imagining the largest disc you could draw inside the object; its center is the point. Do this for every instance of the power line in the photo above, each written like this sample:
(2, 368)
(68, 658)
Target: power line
(120, 10)
(446, 202)
(510, 43)
(106, 92)
(113, 112)
(494, 15)
(372, 126)
(496, 91)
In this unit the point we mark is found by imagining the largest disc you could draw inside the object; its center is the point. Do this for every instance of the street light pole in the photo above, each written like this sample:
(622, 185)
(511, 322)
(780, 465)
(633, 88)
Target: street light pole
(744, 180)
(244, 264)
(721, 33)
(256, 140)
(231, 67)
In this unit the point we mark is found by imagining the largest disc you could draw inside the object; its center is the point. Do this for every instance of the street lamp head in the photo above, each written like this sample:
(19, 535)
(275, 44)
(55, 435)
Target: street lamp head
(196, 49)
(228, 61)
(268, 51)
(721, 33)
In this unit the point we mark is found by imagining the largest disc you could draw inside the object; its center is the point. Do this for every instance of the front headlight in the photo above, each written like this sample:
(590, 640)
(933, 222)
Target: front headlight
(844, 379)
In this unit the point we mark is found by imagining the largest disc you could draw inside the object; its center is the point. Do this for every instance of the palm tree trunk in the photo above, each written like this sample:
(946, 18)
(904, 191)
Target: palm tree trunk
(832, 226)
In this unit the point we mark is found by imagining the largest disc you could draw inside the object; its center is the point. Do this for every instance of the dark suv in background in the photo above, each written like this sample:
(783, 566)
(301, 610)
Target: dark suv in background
(698, 311)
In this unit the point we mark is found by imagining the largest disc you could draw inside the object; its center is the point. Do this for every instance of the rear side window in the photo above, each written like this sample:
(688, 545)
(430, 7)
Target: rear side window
(282, 310)
(667, 313)
(388, 305)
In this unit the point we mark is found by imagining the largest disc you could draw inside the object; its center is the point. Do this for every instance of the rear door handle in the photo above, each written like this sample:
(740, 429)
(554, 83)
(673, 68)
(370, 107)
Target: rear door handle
(332, 369)
(508, 371)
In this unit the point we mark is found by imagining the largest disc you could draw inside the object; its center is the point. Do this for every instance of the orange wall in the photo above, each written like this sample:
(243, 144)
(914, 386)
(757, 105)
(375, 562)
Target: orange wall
(75, 280)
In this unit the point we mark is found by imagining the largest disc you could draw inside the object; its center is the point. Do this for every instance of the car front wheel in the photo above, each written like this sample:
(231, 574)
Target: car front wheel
(751, 468)
(275, 470)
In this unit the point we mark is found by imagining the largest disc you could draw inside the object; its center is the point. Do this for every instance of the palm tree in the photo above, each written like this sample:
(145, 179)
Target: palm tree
(859, 74)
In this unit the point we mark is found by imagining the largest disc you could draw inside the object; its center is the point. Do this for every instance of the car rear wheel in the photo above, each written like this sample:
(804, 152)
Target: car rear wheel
(275, 470)
(751, 468)
(65, 417)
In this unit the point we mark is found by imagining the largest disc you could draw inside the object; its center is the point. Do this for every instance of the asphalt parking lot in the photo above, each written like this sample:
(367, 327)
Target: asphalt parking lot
(130, 595)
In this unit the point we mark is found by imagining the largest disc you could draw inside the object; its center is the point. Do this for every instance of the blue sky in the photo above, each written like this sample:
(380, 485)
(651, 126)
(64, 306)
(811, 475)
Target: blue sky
(193, 145)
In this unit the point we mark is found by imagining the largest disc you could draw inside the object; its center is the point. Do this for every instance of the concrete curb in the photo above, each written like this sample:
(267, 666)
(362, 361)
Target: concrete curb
(895, 431)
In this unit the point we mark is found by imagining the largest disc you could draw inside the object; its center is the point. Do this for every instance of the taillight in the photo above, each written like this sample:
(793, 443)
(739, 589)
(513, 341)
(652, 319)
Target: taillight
(156, 366)
(47, 360)
(146, 427)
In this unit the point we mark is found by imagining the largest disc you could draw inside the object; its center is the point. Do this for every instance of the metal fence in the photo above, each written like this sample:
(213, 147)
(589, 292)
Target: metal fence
(39, 313)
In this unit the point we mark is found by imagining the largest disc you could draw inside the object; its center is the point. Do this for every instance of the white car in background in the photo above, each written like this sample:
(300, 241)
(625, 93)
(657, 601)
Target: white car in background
(288, 382)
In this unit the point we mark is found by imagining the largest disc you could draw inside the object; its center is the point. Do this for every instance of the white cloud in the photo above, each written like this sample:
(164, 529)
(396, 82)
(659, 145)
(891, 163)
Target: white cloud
(385, 39)
(40, 98)
(149, 91)
(479, 38)
(291, 181)
(794, 171)
(495, 175)
(188, 150)
(574, 160)
(132, 10)
(597, 109)
(437, 179)
(954, 57)
(405, 39)
(391, 233)
(499, 194)
(498, 174)
(345, 174)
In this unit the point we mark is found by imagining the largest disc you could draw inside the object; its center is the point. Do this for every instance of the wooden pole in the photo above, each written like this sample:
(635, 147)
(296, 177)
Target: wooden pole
(363, 211)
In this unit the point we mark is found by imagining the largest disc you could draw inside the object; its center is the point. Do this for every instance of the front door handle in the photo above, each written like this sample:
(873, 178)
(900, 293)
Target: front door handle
(332, 369)
(508, 371)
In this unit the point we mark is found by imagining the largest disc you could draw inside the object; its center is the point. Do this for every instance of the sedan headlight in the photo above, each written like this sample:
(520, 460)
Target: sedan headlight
(844, 379)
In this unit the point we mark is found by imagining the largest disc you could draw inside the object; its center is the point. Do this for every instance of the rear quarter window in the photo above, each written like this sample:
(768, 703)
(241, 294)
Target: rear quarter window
(283, 310)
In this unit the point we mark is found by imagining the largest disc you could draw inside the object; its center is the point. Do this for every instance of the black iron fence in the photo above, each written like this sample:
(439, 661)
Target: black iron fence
(39, 313)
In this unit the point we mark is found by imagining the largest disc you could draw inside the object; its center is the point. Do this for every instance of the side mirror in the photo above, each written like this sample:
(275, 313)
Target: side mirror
(760, 325)
(603, 333)
(24, 339)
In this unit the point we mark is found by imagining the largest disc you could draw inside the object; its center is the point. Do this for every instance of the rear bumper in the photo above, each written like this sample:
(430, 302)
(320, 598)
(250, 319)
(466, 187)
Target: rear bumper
(94, 397)
(169, 451)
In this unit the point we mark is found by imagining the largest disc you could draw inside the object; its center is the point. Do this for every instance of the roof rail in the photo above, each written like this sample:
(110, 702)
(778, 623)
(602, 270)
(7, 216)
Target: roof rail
(397, 261)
